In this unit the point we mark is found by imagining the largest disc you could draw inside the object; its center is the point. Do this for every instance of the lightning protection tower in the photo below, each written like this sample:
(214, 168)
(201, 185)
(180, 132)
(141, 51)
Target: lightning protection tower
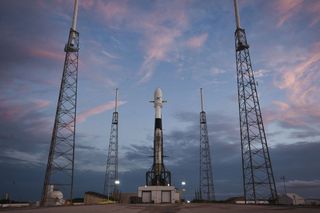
(258, 179)
(60, 166)
(206, 178)
(111, 177)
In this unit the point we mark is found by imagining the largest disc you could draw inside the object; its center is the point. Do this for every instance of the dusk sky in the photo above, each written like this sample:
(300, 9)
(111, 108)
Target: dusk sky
(180, 46)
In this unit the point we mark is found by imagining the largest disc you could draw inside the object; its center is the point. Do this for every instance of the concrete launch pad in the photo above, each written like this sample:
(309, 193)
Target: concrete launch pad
(172, 208)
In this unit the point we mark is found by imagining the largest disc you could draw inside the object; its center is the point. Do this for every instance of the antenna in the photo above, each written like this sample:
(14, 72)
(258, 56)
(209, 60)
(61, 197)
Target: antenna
(75, 15)
(201, 99)
(206, 177)
(283, 178)
(60, 166)
(258, 179)
(236, 12)
(116, 101)
(111, 181)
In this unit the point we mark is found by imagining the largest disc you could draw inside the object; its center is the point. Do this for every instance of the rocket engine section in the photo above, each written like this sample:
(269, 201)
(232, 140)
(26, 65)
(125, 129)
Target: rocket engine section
(158, 175)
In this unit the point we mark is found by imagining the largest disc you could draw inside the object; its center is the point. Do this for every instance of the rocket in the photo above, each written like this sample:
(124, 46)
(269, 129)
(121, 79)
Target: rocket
(158, 175)
(158, 134)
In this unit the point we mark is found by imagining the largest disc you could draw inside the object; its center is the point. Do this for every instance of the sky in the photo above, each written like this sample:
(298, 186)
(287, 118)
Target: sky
(179, 46)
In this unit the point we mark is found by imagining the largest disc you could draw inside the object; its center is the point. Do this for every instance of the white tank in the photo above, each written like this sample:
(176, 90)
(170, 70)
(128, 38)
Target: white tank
(56, 197)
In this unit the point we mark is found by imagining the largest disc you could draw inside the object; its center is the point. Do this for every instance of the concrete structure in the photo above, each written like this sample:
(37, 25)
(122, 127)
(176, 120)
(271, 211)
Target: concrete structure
(291, 199)
(125, 197)
(172, 208)
(94, 198)
(312, 202)
(158, 194)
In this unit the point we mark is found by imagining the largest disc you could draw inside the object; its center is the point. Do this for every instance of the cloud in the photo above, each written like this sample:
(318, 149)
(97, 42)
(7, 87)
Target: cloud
(25, 158)
(114, 12)
(181, 148)
(14, 110)
(94, 60)
(86, 4)
(298, 79)
(47, 54)
(281, 105)
(83, 116)
(303, 183)
(160, 26)
(183, 158)
(110, 55)
(197, 41)
(216, 71)
(287, 8)
(314, 9)
(41, 103)
(25, 129)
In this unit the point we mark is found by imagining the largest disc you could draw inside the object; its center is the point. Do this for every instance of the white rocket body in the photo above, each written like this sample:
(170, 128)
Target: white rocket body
(158, 136)
(158, 102)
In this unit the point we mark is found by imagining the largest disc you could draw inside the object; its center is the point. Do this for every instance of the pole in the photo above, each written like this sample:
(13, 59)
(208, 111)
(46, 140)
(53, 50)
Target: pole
(283, 178)
(75, 15)
(201, 99)
(236, 12)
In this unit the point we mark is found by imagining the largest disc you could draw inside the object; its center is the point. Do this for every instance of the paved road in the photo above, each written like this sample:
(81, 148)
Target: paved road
(187, 208)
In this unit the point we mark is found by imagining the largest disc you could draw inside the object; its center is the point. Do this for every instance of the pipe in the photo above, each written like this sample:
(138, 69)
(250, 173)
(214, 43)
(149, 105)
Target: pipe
(75, 15)
(236, 12)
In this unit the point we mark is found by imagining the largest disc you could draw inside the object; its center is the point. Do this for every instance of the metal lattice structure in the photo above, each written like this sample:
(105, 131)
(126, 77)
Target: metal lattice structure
(60, 166)
(111, 176)
(258, 179)
(206, 177)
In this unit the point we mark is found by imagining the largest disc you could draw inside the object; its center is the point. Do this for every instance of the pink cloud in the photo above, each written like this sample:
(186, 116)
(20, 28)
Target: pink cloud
(11, 113)
(314, 9)
(160, 26)
(287, 8)
(302, 79)
(197, 41)
(27, 114)
(86, 4)
(158, 48)
(83, 116)
(42, 53)
(40, 104)
(14, 110)
(301, 84)
(281, 105)
(162, 29)
(113, 12)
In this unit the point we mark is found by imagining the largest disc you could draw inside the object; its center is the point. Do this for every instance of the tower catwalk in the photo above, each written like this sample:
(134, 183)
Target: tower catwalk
(258, 179)
(60, 166)
(110, 184)
(206, 178)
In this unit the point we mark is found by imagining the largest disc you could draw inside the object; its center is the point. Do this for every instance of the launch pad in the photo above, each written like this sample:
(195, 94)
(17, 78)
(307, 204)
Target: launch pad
(158, 187)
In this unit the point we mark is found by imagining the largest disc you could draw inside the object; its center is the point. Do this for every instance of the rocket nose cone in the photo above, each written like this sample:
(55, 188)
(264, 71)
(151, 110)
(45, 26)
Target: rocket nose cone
(158, 93)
